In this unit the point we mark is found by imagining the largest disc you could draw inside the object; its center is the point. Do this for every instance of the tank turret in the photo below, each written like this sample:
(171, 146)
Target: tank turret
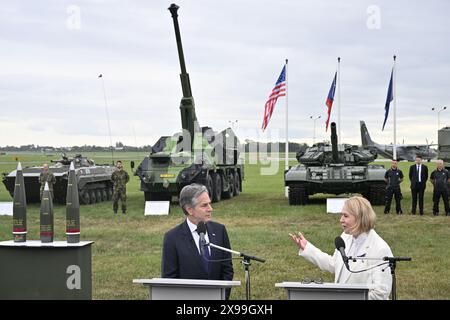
(324, 153)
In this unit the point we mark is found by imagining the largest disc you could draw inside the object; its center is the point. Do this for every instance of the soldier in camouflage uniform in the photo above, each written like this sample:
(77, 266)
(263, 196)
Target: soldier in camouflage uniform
(46, 176)
(120, 178)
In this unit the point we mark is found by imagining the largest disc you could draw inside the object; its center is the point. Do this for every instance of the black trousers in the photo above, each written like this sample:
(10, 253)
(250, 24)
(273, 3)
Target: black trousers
(390, 192)
(418, 190)
(437, 194)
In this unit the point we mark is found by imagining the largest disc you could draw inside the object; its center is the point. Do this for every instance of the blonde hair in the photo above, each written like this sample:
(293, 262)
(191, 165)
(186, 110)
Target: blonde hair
(364, 215)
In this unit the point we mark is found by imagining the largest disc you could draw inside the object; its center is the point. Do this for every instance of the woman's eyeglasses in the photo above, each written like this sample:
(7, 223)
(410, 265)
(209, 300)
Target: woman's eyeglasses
(308, 280)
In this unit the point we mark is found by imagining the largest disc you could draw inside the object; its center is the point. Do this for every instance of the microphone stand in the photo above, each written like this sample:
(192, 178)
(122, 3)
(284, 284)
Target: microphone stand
(392, 262)
(393, 265)
(245, 261)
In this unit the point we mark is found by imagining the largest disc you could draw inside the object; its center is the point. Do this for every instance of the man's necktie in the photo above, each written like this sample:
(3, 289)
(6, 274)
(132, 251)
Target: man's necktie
(418, 173)
(205, 256)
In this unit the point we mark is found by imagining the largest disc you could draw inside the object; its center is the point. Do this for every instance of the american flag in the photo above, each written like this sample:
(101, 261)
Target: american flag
(278, 91)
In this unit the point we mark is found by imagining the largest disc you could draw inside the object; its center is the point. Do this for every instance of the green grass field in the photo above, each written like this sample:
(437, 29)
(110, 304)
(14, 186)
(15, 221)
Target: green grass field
(128, 246)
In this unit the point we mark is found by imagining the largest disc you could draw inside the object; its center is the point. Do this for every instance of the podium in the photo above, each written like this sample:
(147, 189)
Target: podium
(324, 291)
(56, 270)
(186, 289)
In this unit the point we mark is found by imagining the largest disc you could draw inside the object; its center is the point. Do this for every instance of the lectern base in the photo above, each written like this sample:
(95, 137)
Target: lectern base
(186, 289)
(34, 270)
(325, 291)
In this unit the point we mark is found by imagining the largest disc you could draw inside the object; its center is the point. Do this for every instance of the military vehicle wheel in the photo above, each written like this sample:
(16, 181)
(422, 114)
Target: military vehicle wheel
(297, 195)
(231, 180)
(99, 195)
(109, 192)
(209, 185)
(377, 194)
(85, 198)
(217, 187)
(227, 194)
(230, 192)
(237, 184)
(93, 196)
(104, 195)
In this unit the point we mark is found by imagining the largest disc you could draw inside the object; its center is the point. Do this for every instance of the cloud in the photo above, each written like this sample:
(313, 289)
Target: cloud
(234, 50)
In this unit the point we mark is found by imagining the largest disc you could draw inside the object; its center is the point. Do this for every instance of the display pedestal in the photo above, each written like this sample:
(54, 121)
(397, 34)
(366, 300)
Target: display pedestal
(57, 270)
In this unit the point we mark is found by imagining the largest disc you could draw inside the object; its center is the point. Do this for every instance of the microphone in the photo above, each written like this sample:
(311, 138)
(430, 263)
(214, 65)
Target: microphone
(340, 246)
(201, 230)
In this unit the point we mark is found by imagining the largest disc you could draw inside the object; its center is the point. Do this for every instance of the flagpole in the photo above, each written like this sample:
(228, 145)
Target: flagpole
(339, 100)
(394, 93)
(286, 147)
(107, 118)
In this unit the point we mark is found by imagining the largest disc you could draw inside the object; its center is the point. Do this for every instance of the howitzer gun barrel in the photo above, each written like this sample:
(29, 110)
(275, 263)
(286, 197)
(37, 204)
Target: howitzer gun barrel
(187, 107)
(185, 83)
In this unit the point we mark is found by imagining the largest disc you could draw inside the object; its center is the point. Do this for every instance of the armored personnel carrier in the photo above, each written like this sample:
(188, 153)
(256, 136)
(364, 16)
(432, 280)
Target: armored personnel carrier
(94, 181)
(195, 155)
(335, 169)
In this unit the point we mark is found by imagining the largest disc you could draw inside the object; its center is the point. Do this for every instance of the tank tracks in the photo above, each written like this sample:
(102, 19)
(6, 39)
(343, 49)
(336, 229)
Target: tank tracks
(376, 194)
(95, 195)
(298, 195)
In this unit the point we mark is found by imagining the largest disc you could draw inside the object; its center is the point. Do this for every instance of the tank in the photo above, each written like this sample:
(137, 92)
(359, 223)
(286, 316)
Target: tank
(194, 155)
(335, 169)
(94, 181)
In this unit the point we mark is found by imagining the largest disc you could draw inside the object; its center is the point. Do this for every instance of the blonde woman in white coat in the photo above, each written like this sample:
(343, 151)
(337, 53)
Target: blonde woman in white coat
(361, 240)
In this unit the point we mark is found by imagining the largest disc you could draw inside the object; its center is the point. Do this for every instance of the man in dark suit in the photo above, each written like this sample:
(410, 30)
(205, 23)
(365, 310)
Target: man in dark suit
(418, 175)
(181, 255)
(440, 179)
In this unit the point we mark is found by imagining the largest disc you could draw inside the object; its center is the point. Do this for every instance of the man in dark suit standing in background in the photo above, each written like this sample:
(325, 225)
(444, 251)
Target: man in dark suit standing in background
(418, 175)
(181, 254)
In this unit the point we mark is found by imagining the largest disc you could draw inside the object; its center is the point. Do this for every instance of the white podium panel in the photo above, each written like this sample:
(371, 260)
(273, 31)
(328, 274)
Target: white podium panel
(186, 289)
(6, 208)
(156, 208)
(324, 291)
(335, 205)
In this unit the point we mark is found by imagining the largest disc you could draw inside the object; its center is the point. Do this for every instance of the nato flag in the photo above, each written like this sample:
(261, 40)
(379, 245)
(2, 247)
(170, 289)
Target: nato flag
(389, 98)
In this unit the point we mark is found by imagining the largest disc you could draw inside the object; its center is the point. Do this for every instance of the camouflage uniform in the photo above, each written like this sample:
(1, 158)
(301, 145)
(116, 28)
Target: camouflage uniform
(120, 178)
(49, 177)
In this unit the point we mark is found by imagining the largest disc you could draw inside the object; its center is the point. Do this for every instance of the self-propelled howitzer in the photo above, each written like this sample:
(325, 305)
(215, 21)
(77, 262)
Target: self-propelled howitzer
(195, 155)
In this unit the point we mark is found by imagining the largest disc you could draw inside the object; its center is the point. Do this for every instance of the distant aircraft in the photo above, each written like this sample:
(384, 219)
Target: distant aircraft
(404, 151)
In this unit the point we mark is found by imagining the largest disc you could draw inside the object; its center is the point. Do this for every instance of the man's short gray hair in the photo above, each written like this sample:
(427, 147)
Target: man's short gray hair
(189, 195)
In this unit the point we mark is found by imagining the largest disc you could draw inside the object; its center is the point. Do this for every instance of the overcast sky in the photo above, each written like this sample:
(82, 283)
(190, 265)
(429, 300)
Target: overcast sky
(53, 51)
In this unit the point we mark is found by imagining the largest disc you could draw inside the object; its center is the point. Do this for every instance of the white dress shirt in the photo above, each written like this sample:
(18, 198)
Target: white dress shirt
(195, 235)
(356, 249)
(419, 171)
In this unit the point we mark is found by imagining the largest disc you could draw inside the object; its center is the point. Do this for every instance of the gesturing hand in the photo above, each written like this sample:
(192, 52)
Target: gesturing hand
(299, 240)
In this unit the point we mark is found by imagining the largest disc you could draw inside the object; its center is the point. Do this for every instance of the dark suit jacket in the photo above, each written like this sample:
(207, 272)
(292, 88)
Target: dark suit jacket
(181, 258)
(413, 175)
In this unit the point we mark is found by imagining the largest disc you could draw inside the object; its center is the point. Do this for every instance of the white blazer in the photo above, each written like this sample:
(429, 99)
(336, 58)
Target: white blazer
(379, 281)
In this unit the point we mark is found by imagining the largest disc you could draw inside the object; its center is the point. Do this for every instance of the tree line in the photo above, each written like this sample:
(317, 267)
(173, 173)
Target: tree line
(247, 146)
